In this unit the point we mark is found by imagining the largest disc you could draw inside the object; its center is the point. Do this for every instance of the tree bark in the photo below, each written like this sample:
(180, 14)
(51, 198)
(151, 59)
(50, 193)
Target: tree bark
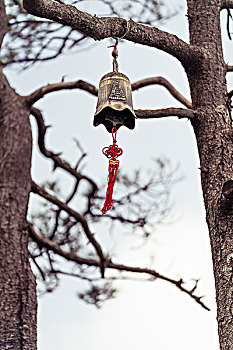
(213, 129)
(3, 21)
(18, 303)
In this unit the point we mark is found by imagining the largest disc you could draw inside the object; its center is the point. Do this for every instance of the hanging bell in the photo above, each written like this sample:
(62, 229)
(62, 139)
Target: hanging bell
(114, 106)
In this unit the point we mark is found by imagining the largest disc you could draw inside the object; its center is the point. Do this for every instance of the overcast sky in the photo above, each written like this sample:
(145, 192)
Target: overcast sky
(144, 314)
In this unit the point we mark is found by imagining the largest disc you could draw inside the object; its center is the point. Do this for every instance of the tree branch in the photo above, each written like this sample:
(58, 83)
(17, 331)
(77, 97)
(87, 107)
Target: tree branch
(166, 112)
(80, 218)
(58, 162)
(41, 92)
(229, 17)
(83, 85)
(227, 4)
(47, 243)
(230, 68)
(105, 27)
(164, 82)
(58, 212)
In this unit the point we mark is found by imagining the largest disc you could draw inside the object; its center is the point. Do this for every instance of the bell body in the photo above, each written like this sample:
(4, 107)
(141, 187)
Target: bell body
(114, 106)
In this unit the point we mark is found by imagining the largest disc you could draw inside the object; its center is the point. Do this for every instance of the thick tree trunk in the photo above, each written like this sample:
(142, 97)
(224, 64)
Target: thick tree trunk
(18, 303)
(214, 134)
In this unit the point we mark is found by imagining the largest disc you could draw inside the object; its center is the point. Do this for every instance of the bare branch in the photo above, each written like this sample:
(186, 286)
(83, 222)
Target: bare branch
(47, 243)
(164, 82)
(61, 2)
(79, 84)
(31, 40)
(105, 27)
(227, 4)
(38, 267)
(43, 241)
(83, 85)
(58, 162)
(230, 68)
(80, 218)
(166, 112)
(58, 212)
(137, 222)
(229, 16)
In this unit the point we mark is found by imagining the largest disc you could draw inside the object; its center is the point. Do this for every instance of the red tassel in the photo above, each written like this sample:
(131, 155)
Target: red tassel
(112, 152)
(112, 171)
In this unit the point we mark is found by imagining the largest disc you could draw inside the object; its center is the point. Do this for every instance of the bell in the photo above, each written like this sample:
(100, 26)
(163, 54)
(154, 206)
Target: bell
(114, 106)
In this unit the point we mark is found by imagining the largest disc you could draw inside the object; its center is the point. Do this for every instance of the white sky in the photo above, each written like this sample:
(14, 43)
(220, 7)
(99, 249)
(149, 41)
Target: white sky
(144, 314)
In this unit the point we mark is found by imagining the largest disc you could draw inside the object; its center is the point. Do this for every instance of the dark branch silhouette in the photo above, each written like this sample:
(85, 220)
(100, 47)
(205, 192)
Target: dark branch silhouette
(100, 28)
(31, 40)
(110, 265)
(166, 112)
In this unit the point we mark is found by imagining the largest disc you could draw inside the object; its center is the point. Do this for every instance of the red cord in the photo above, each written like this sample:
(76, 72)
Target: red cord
(114, 51)
(111, 152)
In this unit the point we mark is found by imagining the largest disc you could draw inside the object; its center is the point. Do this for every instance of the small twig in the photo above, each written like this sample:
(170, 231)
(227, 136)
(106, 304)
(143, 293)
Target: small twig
(83, 154)
(73, 274)
(229, 16)
(204, 170)
(71, 196)
(38, 267)
(137, 222)
(61, 2)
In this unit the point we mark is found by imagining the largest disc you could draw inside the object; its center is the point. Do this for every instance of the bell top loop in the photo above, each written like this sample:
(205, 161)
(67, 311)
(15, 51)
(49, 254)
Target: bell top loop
(115, 65)
(115, 55)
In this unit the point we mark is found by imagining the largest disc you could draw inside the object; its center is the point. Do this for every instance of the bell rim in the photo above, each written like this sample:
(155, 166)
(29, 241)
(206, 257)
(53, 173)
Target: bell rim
(129, 122)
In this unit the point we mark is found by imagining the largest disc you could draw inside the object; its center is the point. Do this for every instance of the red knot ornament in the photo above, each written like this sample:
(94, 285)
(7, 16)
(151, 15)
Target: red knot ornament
(112, 152)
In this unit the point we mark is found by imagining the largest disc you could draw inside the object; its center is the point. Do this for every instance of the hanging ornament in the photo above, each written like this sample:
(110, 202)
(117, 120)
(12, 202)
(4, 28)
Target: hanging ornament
(112, 152)
(114, 109)
(114, 106)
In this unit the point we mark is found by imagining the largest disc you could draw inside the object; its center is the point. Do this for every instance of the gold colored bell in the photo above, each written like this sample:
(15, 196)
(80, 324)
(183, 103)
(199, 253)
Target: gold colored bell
(115, 106)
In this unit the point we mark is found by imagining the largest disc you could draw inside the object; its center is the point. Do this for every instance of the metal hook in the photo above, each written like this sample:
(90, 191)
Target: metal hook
(114, 51)
(121, 37)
